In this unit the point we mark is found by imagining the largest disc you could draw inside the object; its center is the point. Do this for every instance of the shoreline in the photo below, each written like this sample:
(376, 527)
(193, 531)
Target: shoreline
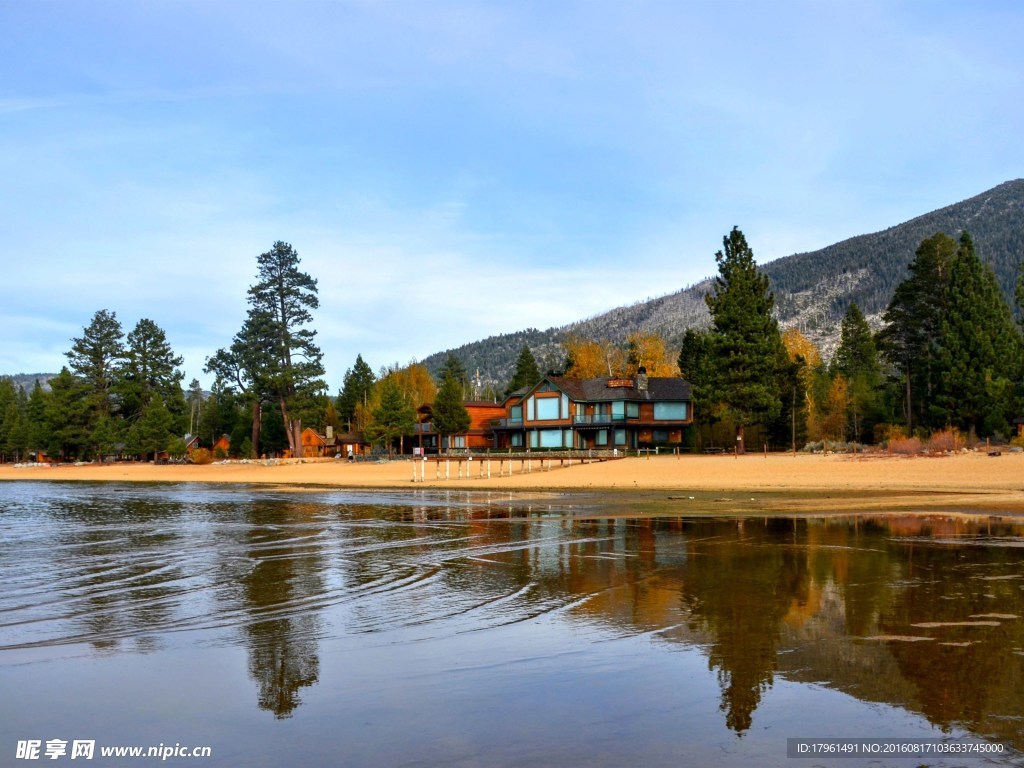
(793, 484)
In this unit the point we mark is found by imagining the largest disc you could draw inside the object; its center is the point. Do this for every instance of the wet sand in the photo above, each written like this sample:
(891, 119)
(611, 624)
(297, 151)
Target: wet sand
(780, 482)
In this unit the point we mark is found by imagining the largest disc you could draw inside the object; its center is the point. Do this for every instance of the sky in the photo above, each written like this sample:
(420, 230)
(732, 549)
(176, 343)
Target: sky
(448, 171)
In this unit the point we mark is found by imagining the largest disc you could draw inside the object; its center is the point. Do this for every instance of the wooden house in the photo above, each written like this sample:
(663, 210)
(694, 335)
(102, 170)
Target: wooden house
(578, 414)
(224, 444)
(316, 445)
(479, 435)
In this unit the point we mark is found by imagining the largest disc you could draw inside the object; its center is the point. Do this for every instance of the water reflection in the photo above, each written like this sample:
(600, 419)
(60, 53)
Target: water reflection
(921, 613)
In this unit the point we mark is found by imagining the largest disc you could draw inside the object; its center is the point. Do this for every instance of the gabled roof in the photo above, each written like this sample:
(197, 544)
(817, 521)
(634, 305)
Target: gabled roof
(659, 388)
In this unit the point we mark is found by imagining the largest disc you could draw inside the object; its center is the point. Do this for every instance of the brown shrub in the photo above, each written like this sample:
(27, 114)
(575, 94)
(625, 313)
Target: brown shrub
(906, 446)
(201, 456)
(947, 440)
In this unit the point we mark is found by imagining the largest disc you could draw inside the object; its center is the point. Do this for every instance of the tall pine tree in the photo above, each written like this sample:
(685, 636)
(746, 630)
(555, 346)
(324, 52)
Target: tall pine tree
(527, 373)
(283, 300)
(979, 349)
(745, 345)
(913, 319)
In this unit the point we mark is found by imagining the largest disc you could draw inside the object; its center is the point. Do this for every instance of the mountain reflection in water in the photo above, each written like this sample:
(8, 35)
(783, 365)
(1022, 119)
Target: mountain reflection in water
(926, 614)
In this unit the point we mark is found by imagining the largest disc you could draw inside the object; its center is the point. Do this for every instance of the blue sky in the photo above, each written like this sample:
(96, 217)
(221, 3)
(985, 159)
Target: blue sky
(452, 170)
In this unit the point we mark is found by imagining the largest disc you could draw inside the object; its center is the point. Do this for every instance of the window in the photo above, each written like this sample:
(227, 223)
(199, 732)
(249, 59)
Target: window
(618, 409)
(515, 414)
(620, 437)
(670, 411)
(602, 437)
(517, 439)
(547, 408)
(546, 438)
(632, 410)
(458, 441)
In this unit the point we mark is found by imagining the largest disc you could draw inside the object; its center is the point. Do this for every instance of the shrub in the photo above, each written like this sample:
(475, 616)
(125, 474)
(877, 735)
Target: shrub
(883, 433)
(201, 456)
(219, 453)
(945, 441)
(906, 446)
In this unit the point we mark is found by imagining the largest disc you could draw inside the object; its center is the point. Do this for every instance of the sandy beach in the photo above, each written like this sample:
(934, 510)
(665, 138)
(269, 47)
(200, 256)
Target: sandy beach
(965, 482)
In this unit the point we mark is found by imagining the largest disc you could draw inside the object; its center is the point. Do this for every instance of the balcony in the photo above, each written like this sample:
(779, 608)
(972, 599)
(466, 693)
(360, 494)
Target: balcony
(506, 423)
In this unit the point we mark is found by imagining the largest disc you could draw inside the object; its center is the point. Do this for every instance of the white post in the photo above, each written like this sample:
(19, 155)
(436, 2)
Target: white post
(447, 469)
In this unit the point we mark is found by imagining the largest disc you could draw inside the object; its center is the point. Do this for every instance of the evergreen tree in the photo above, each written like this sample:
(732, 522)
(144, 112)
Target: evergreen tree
(282, 301)
(394, 418)
(913, 320)
(195, 405)
(8, 416)
(150, 368)
(96, 357)
(745, 343)
(695, 367)
(154, 428)
(527, 373)
(449, 415)
(68, 416)
(856, 360)
(979, 348)
(455, 368)
(37, 425)
(356, 390)
(246, 366)
(104, 437)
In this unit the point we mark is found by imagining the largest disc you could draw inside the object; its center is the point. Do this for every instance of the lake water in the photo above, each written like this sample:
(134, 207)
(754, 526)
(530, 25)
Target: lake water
(328, 628)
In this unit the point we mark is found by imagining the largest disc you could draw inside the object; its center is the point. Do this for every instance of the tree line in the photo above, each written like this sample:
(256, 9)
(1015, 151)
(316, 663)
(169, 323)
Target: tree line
(949, 357)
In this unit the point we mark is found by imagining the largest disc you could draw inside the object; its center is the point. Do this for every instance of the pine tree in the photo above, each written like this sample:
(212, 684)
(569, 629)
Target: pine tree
(395, 417)
(979, 348)
(282, 302)
(455, 368)
(449, 415)
(155, 427)
(150, 368)
(527, 373)
(745, 344)
(913, 320)
(68, 416)
(246, 367)
(356, 390)
(96, 357)
(695, 367)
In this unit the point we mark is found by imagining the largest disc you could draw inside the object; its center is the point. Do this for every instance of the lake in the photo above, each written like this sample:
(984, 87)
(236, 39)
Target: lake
(331, 627)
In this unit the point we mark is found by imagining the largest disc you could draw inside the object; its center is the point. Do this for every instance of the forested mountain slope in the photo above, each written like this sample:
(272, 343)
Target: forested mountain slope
(812, 290)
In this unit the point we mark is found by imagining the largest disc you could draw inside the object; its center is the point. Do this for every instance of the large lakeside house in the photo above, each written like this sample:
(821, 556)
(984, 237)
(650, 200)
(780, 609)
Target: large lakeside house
(558, 412)
(578, 414)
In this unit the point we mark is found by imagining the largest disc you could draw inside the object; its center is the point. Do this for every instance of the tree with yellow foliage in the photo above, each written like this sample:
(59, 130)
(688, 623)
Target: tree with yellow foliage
(587, 358)
(649, 350)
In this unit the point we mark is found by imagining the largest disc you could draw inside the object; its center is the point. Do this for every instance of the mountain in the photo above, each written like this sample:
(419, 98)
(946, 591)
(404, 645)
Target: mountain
(812, 290)
(27, 381)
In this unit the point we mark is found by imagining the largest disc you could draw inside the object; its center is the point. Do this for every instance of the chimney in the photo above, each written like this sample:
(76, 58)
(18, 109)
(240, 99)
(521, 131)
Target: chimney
(641, 379)
(330, 432)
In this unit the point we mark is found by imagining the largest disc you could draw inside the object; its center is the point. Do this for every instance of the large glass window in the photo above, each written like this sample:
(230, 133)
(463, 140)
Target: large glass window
(517, 439)
(632, 410)
(547, 408)
(602, 437)
(620, 437)
(515, 413)
(550, 438)
(618, 410)
(670, 411)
